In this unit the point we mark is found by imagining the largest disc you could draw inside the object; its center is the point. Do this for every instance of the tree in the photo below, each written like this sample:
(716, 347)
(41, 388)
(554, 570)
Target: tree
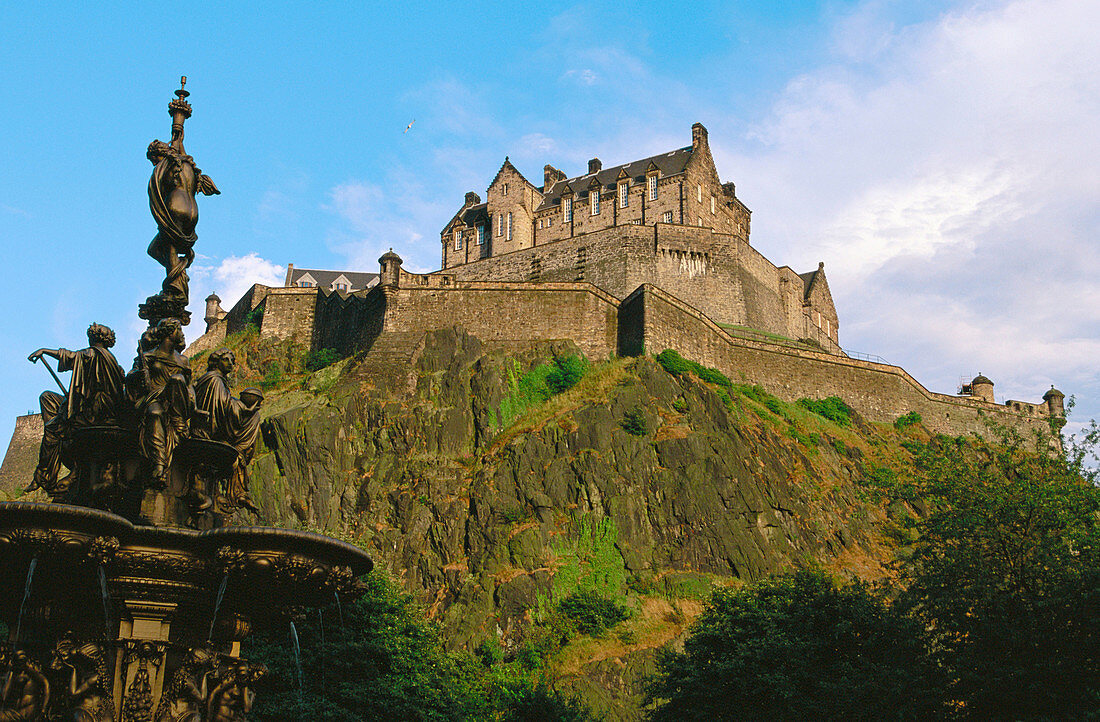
(385, 661)
(1006, 574)
(798, 647)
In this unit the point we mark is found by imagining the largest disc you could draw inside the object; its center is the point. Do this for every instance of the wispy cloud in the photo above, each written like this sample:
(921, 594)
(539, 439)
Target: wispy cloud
(946, 174)
(230, 278)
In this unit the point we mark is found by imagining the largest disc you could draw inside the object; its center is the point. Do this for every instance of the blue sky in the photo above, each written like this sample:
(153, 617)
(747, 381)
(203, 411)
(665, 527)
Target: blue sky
(939, 157)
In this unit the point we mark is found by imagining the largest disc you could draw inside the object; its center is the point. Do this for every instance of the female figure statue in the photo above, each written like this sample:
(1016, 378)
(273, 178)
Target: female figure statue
(167, 402)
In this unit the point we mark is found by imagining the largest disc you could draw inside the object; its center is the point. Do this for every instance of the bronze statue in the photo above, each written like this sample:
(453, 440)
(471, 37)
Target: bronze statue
(172, 189)
(166, 403)
(94, 398)
(25, 694)
(89, 698)
(232, 695)
(231, 420)
(184, 699)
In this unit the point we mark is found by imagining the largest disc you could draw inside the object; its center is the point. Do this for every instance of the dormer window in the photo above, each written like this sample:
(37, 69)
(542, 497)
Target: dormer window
(340, 286)
(458, 240)
(304, 284)
(594, 201)
(567, 214)
(651, 182)
(624, 194)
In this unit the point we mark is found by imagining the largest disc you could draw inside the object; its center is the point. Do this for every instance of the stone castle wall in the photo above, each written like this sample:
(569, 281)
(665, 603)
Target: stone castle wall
(652, 320)
(718, 273)
(22, 455)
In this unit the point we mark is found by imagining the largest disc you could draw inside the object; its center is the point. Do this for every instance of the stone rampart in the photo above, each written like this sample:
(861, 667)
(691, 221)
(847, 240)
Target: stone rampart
(22, 455)
(719, 273)
(652, 320)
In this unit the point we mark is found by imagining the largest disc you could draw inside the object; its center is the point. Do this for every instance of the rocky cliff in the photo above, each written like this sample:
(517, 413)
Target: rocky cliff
(493, 499)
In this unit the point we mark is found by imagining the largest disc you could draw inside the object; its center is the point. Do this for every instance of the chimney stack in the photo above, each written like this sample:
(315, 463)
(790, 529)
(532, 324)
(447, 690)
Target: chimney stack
(472, 199)
(550, 176)
(594, 166)
(698, 136)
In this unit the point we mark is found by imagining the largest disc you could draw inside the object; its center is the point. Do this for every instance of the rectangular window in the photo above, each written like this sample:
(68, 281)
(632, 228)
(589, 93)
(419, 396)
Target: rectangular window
(341, 286)
(594, 202)
(624, 194)
(500, 225)
(481, 235)
(652, 181)
(567, 216)
(505, 189)
(458, 240)
(699, 193)
(667, 216)
(509, 226)
(712, 206)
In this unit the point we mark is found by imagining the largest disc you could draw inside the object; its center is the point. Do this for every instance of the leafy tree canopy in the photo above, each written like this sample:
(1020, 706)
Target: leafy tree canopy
(798, 647)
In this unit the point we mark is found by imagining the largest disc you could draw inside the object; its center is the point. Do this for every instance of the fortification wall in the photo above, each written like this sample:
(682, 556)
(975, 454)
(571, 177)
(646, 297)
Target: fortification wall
(22, 455)
(509, 312)
(290, 313)
(719, 273)
(654, 320)
(235, 320)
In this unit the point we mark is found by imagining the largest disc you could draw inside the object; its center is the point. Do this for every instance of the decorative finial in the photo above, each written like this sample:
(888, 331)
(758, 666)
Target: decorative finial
(181, 93)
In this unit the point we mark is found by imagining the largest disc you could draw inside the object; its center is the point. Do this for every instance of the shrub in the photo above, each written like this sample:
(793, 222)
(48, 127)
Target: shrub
(317, 360)
(674, 363)
(255, 317)
(591, 612)
(832, 408)
(566, 372)
(634, 422)
(274, 375)
(904, 421)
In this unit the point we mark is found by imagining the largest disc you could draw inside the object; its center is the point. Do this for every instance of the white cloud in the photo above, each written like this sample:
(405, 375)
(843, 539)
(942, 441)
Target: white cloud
(946, 173)
(585, 76)
(230, 278)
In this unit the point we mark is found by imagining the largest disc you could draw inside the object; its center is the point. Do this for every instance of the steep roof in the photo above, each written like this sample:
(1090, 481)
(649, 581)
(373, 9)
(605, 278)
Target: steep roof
(508, 164)
(469, 216)
(671, 163)
(809, 278)
(325, 279)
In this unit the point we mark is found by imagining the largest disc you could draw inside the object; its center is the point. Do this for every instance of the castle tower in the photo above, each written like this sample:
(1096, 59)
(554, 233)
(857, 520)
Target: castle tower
(391, 269)
(214, 311)
(982, 388)
(1055, 400)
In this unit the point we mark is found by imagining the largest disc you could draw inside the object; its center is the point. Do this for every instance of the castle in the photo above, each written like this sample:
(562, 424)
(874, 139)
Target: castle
(633, 259)
(586, 229)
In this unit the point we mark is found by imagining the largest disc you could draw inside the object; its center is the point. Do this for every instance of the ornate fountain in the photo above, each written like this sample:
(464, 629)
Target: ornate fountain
(127, 597)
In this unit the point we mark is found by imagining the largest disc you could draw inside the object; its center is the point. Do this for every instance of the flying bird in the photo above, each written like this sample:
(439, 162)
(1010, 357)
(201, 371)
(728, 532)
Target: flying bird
(409, 126)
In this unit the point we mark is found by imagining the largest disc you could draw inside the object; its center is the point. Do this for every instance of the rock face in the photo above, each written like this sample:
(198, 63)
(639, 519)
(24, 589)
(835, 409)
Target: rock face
(481, 517)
